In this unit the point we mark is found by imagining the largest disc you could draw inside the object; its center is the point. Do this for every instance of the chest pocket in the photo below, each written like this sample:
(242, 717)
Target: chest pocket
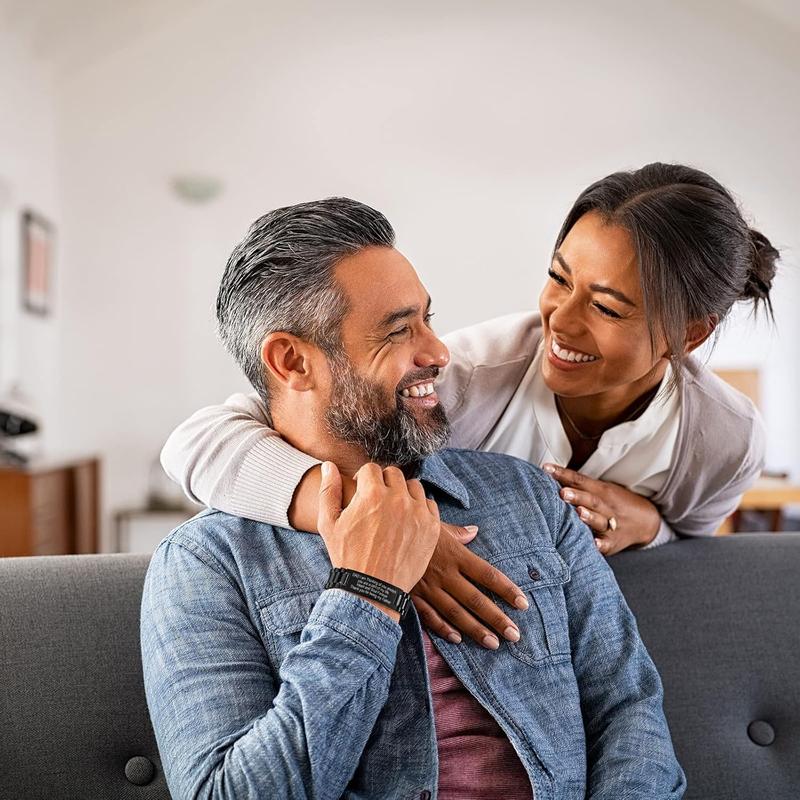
(544, 630)
(283, 618)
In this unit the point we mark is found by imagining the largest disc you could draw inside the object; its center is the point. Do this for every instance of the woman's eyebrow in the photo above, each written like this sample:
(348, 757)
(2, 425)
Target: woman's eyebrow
(596, 287)
(558, 257)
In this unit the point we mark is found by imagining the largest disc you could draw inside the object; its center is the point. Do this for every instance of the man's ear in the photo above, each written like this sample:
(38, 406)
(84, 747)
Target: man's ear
(698, 332)
(288, 360)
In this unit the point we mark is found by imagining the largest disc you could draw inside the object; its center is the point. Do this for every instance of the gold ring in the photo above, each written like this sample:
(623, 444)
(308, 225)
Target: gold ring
(612, 523)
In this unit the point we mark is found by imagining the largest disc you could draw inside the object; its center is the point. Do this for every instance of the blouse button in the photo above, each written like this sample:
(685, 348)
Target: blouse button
(534, 573)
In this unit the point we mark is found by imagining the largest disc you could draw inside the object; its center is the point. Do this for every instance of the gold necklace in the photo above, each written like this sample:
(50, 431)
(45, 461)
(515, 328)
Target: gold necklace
(560, 406)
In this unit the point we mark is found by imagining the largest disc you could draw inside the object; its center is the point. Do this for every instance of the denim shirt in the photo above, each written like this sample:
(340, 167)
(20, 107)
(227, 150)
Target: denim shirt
(262, 684)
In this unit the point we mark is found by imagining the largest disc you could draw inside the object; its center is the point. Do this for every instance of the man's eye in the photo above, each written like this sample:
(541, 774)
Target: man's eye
(556, 277)
(428, 317)
(399, 332)
(607, 311)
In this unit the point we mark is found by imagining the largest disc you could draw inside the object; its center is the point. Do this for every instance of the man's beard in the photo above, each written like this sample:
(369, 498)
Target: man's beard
(361, 413)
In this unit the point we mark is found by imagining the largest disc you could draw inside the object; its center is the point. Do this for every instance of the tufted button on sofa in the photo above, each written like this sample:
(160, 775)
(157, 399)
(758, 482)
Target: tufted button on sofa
(721, 618)
(140, 771)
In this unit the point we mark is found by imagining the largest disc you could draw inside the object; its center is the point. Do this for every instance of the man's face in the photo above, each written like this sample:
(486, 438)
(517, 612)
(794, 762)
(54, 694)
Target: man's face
(382, 393)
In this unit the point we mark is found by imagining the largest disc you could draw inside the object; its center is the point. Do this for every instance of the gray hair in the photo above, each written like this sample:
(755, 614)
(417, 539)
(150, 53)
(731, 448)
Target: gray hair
(280, 278)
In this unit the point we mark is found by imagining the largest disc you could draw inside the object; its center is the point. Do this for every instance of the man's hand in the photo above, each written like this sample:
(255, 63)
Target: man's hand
(389, 529)
(618, 517)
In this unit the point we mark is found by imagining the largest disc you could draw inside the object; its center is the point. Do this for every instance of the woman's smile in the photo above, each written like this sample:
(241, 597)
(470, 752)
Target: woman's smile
(562, 355)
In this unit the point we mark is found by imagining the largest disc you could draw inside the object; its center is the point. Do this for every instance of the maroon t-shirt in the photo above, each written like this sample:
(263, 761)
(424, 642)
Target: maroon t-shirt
(476, 759)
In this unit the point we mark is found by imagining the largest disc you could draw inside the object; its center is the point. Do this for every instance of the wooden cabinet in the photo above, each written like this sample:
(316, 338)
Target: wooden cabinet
(49, 508)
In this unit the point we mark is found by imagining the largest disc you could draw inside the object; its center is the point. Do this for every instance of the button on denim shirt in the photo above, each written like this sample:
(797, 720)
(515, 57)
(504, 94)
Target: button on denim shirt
(263, 684)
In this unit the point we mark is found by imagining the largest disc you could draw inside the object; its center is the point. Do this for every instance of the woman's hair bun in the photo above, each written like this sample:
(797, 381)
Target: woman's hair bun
(762, 270)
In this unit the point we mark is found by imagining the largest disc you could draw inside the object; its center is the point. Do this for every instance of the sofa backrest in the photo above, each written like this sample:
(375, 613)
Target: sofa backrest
(721, 619)
(74, 717)
(719, 616)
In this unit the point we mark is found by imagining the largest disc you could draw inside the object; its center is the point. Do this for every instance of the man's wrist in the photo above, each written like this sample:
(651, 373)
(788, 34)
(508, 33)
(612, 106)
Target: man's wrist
(383, 595)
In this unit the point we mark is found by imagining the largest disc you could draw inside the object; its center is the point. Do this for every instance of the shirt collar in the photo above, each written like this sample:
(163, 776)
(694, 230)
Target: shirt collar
(435, 472)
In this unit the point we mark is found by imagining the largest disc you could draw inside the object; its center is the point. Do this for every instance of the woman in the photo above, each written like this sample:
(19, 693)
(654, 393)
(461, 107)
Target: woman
(599, 387)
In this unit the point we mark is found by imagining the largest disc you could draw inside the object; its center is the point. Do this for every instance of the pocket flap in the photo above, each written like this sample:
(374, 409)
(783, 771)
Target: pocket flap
(533, 569)
(288, 611)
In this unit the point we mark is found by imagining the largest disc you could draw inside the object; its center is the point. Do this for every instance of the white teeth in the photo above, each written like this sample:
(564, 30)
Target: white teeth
(570, 355)
(420, 390)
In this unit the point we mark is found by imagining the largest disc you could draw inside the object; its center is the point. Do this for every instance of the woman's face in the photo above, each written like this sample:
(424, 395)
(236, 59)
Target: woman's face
(596, 334)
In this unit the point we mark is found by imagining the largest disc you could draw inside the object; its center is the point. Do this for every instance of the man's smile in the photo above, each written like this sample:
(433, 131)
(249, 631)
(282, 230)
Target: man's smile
(420, 395)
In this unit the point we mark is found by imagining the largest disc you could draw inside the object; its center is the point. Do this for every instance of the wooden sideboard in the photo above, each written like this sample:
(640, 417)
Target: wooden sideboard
(49, 508)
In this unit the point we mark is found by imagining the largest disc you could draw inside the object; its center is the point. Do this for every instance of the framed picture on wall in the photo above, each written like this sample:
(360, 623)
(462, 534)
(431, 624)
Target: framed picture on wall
(37, 263)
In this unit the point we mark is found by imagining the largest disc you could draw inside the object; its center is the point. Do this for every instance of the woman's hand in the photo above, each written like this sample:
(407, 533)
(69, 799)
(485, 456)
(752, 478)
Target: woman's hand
(619, 517)
(447, 601)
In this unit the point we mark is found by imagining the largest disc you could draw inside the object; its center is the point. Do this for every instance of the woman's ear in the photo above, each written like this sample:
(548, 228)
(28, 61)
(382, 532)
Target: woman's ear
(288, 361)
(697, 332)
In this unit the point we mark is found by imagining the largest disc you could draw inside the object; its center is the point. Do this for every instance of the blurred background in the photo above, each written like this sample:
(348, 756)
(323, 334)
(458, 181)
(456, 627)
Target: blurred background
(138, 141)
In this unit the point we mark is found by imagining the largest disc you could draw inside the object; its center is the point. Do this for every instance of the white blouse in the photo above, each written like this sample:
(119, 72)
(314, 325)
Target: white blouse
(636, 454)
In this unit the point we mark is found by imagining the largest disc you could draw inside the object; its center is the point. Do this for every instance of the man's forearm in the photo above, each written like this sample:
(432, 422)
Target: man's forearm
(310, 742)
(226, 724)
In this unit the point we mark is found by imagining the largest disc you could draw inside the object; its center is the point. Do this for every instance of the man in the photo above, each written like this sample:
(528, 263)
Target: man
(262, 682)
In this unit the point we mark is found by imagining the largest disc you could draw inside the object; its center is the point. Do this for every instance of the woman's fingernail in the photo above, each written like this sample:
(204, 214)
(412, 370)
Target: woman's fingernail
(584, 514)
(598, 543)
(454, 638)
(549, 468)
(569, 494)
(492, 642)
(326, 469)
(471, 528)
(511, 633)
(520, 602)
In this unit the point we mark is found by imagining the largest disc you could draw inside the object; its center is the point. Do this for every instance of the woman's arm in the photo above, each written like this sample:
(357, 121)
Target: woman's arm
(705, 518)
(227, 457)
(725, 463)
(638, 522)
(487, 363)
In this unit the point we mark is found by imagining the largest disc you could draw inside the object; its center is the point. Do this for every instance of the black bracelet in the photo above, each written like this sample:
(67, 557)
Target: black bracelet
(369, 587)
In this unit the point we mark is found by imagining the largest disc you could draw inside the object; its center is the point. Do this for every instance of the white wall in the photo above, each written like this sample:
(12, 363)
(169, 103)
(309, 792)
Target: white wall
(28, 343)
(471, 125)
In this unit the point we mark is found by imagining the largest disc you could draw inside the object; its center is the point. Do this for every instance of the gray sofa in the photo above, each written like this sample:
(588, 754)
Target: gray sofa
(720, 617)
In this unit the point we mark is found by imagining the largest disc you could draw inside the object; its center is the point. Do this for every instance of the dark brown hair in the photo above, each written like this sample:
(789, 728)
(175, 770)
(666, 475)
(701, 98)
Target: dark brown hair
(697, 255)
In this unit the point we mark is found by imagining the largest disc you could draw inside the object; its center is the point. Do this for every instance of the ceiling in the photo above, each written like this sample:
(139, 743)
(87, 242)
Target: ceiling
(73, 33)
